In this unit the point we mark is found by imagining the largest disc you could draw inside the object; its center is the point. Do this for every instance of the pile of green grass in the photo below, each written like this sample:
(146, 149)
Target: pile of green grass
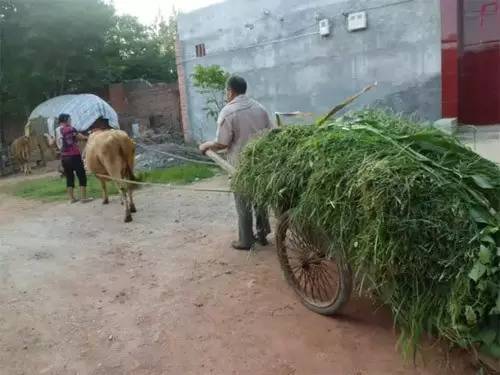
(414, 212)
(51, 189)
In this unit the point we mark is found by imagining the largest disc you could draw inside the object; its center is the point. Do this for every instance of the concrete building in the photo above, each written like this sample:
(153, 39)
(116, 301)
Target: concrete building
(412, 48)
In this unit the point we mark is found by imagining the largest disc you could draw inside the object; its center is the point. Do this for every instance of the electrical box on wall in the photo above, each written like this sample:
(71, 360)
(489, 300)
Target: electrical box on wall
(324, 27)
(357, 21)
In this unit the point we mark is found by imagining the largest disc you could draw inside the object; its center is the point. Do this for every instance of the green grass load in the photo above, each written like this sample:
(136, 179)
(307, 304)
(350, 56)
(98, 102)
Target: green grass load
(415, 213)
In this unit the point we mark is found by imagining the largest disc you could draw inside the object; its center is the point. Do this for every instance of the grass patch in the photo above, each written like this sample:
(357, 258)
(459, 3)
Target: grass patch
(52, 189)
(183, 174)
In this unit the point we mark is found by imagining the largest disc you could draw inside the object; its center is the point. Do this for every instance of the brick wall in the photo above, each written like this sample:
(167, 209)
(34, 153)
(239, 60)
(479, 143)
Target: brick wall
(118, 97)
(153, 106)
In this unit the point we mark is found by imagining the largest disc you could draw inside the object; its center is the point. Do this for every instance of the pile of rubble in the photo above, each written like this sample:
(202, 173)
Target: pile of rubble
(160, 136)
(157, 156)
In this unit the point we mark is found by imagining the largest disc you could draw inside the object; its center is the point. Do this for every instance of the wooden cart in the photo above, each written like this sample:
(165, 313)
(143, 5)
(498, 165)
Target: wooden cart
(323, 282)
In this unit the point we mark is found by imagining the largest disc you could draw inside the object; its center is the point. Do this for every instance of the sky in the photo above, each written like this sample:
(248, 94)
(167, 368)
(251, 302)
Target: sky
(147, 10)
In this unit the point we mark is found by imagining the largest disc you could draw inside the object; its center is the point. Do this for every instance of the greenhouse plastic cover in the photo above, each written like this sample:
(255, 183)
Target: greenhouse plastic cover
(84, 110)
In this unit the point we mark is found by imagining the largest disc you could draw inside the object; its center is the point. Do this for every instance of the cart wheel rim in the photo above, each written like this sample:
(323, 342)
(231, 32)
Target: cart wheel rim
(315, 276)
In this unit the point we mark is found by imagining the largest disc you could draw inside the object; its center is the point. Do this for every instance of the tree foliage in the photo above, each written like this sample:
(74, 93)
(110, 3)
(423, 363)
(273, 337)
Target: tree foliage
(55, 47)
(211, 83)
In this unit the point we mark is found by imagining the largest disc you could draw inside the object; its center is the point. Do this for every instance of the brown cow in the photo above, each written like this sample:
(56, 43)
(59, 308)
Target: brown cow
(112, 153)
(21, 150)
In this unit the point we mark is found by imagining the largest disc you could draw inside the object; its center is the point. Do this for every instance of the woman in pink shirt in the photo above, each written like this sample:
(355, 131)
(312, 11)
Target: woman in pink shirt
(71, 158)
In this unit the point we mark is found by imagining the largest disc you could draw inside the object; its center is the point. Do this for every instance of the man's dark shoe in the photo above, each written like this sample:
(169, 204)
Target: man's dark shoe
(239, 246)
(262, 241)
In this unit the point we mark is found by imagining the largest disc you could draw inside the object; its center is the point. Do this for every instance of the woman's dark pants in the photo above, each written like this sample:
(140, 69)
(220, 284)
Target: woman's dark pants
(71, 165)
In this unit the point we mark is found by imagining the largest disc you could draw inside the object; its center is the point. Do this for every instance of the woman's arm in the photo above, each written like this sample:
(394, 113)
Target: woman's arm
(81, 137)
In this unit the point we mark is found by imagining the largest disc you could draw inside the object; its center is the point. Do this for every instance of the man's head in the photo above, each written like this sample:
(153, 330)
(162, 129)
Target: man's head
(235, 86)
(64, 118)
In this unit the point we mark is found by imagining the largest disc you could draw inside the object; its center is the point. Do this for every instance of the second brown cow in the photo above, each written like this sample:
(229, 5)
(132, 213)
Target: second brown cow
(21, 151)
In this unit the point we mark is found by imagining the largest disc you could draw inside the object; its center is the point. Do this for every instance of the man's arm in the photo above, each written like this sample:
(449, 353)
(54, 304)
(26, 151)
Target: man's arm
(269, 123)
(223, 139)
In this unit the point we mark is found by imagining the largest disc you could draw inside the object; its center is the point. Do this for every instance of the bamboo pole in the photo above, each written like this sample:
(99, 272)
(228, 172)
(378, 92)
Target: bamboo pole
(221, 162)
(345, 103)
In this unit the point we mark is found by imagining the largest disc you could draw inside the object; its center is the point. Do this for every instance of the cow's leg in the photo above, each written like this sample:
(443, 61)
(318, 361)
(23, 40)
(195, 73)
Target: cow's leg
(131, 199)
(42, 154)
(114, 170)
(128, 212)
(104, 187)
(123, 196)
(118, 186)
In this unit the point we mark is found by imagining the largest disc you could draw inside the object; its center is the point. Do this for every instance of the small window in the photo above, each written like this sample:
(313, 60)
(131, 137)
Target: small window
(200, 50)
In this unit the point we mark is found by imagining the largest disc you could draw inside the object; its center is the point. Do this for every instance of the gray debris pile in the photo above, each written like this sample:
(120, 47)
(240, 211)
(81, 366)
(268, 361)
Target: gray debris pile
(160, 136)
(157, 156)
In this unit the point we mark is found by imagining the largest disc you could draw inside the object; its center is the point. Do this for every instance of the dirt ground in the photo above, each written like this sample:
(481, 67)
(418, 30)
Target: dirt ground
(83, 293)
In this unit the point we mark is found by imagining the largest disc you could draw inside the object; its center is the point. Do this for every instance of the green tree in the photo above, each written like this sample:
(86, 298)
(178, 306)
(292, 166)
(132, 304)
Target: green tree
(48, 50)
(58, 47)
(211, 83)
(138, 51)
(166, 32)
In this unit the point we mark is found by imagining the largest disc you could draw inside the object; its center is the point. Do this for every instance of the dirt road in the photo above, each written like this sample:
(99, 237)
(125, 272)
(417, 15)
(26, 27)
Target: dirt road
(83, 293)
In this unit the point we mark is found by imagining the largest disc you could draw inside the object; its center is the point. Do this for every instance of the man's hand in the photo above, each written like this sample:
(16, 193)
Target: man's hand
(204, 147)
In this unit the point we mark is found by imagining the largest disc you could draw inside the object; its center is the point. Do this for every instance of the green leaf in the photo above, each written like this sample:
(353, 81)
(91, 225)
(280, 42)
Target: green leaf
(489, 239)
(480, 215)
(484, 255)
(482, 286)
(487, 335)
(496, 309)
(482, 181)
(493, 350)
(477, 271)
(470, 315)
(493, 230)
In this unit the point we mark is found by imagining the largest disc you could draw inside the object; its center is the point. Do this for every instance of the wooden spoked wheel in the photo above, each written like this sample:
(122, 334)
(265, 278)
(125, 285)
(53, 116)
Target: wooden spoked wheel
(323, 283)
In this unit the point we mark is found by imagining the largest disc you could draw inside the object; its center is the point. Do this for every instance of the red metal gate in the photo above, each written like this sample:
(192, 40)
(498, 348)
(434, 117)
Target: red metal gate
(471, 60)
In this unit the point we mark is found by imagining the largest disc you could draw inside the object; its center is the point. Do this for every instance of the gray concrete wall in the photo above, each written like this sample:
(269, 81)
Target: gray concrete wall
(290, 67)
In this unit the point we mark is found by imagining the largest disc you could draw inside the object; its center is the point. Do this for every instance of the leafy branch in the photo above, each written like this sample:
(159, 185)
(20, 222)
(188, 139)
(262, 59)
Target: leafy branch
(210, 82)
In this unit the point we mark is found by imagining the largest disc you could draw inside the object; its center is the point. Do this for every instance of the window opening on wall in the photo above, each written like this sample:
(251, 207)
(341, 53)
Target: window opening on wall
(200, 50)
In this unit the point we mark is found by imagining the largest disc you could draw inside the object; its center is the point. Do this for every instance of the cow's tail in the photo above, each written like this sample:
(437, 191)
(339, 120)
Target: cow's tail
(129, 157)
